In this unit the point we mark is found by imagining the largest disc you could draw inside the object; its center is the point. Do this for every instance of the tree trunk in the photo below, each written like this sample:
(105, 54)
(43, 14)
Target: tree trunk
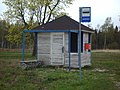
(2, 45)
(34, 48)
(105, 42)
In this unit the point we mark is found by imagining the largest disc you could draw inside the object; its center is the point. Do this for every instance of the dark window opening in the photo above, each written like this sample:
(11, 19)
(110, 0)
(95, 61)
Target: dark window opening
(81, 41)
(89, 40)
(89, 36)
(74, 42)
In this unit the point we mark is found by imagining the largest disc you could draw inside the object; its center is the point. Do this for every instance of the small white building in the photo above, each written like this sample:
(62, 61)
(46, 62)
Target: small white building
(57, 43)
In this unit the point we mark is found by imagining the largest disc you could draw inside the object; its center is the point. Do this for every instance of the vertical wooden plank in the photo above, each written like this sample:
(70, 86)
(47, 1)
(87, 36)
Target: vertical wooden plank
(51, 48)
(57, 43)
(44, 47)
(36, 34)
(63, 48)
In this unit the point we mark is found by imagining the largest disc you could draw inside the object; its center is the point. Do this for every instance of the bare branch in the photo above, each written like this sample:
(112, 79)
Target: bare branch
(51, 10)
(43, 21)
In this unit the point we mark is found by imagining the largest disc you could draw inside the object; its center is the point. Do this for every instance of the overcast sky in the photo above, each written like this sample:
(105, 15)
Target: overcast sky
(2, 7)
(100, 10)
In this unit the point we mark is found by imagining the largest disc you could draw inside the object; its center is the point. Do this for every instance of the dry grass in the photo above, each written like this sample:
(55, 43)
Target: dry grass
(107, 50)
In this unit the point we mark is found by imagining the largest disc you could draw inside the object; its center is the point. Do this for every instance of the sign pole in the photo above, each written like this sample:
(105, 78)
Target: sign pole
(79, 44)
(84, 16)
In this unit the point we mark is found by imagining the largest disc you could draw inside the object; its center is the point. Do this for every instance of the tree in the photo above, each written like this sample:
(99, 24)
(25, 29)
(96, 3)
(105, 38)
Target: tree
(117, 37)
(16, 10)
(29, 12)
(40, 11)
(3, 31)
(108, 23)
(106, 37)
(14, 36)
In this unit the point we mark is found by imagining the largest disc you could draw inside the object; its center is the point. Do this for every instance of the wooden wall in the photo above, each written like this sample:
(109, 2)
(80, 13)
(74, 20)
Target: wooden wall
(44, 47)
(85, 55)
(50, 48)
(45, 50)
(57, 43)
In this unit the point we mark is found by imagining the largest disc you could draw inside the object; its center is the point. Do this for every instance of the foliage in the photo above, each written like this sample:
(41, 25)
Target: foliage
(14, 35)
(39, 11)
(3, 31)
(106, 36)
(26, 14)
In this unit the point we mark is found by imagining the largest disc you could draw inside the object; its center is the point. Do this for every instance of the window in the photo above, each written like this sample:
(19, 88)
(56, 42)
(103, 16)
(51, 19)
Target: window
(89, 37)
(89, 40)
(81, 41)
(74, 42)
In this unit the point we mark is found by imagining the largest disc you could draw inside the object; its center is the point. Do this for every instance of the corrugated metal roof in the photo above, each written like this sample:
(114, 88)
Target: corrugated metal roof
(62, 23)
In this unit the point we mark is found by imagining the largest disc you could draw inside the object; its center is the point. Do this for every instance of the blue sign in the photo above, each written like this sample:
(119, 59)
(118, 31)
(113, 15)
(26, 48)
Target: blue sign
(85, 14)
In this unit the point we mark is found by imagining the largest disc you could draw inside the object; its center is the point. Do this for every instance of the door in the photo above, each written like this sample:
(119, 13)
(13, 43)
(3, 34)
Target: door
(57, 48)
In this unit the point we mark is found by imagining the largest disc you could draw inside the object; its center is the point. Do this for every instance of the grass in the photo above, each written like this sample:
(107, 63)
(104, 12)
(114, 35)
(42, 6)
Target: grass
(12, 77)
(109, 61)
(15, 55)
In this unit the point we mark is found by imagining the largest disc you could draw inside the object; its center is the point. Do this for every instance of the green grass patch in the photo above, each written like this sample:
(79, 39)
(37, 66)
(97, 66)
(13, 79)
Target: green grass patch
(15, 55)
(109, 61)
(12, 77)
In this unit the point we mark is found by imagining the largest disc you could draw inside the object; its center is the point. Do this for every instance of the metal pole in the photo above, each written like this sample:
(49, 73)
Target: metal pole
(79, 44)
(69, 47)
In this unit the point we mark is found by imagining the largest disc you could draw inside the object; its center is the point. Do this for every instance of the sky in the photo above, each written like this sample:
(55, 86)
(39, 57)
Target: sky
(2, 7)
(100, 10)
